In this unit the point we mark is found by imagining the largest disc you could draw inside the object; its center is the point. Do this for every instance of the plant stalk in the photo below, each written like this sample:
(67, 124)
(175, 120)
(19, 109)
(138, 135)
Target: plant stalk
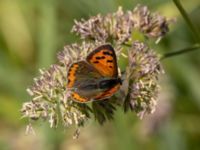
(188, 21)
(182, 51)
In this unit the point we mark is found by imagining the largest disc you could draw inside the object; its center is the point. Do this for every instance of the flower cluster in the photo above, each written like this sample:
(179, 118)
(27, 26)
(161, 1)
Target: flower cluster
(144, 68)
(118, 27)
(152, 25)
(51, 100)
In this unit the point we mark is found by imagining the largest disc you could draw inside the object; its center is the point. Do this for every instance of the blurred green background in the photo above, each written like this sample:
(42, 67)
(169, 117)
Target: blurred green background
(32, 32)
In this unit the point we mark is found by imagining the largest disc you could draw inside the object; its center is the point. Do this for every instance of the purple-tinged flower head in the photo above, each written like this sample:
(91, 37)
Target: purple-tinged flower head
(144, 69)
(150, 24)
(118, 27)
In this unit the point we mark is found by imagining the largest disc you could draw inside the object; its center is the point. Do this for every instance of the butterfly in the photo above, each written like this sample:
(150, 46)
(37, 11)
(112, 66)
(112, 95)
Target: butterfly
(95, 78)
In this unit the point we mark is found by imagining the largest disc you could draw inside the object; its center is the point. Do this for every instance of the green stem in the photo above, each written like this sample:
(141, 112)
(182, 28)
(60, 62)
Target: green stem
(187, 19)
(185, 50)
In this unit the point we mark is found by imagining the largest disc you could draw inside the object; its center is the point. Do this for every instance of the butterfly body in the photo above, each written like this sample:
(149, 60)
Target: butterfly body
(96, 78)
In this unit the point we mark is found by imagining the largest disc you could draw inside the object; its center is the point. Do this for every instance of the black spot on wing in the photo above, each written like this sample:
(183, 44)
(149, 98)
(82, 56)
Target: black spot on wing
(96, 62)
(109, 61)
(107, 53)
(100, 57)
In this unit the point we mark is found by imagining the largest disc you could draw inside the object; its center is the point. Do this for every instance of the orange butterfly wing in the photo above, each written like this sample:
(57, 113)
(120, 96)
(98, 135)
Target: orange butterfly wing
(82, 80)
(71, 78)
(76, 96)
(101, 63)
(104, 60)
(108, 93)
(71, 75)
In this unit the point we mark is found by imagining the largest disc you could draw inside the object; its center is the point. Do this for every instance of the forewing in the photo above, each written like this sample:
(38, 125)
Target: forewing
(81, 72)
(82, 78)
(104, 60)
